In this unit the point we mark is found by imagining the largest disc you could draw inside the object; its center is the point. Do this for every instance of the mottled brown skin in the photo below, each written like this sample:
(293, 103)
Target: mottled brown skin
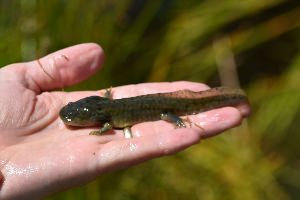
(121, 113)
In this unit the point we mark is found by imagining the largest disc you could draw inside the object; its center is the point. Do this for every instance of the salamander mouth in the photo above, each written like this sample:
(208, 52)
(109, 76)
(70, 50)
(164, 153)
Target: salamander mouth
(66, 115)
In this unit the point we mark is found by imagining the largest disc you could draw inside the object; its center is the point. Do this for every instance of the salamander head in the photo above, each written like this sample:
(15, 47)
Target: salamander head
(84, 112)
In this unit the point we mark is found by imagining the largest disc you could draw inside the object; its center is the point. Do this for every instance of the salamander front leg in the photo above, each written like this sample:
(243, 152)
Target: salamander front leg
(106, 127)
(177, 121)
(108, 93)
(127, 132)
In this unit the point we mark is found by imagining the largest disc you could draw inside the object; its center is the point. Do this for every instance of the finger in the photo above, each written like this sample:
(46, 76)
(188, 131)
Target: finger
(207, 124)
(151, 88)
(244, 109)
(135, 90)
(64, 67)
(155, 141)
(127, 152)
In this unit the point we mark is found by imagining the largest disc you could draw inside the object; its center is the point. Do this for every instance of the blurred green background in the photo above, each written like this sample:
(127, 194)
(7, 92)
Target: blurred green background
(254, 43)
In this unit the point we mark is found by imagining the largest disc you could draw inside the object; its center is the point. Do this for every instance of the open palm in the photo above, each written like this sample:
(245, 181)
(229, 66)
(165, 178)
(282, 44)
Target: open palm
(40, 155)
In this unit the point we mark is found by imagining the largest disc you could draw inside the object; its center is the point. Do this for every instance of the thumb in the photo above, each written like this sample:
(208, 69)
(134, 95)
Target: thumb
(63, 68)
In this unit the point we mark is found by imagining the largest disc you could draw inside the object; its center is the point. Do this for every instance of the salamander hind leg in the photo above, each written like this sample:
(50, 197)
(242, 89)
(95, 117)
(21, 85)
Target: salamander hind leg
(177, 121)
(187, 120)
(106, 127)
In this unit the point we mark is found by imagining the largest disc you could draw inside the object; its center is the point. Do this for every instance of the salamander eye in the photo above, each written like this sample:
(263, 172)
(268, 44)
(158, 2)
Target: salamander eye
(85, 109)
(70, 103)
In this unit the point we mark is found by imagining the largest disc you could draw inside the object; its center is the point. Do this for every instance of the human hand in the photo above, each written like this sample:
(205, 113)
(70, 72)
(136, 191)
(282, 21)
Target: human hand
(40, 155)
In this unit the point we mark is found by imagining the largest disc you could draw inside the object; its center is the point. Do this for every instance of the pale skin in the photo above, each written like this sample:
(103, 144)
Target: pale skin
(39, 155)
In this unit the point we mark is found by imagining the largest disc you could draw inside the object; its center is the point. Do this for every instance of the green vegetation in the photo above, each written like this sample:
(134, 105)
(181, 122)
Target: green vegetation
(252, 42)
